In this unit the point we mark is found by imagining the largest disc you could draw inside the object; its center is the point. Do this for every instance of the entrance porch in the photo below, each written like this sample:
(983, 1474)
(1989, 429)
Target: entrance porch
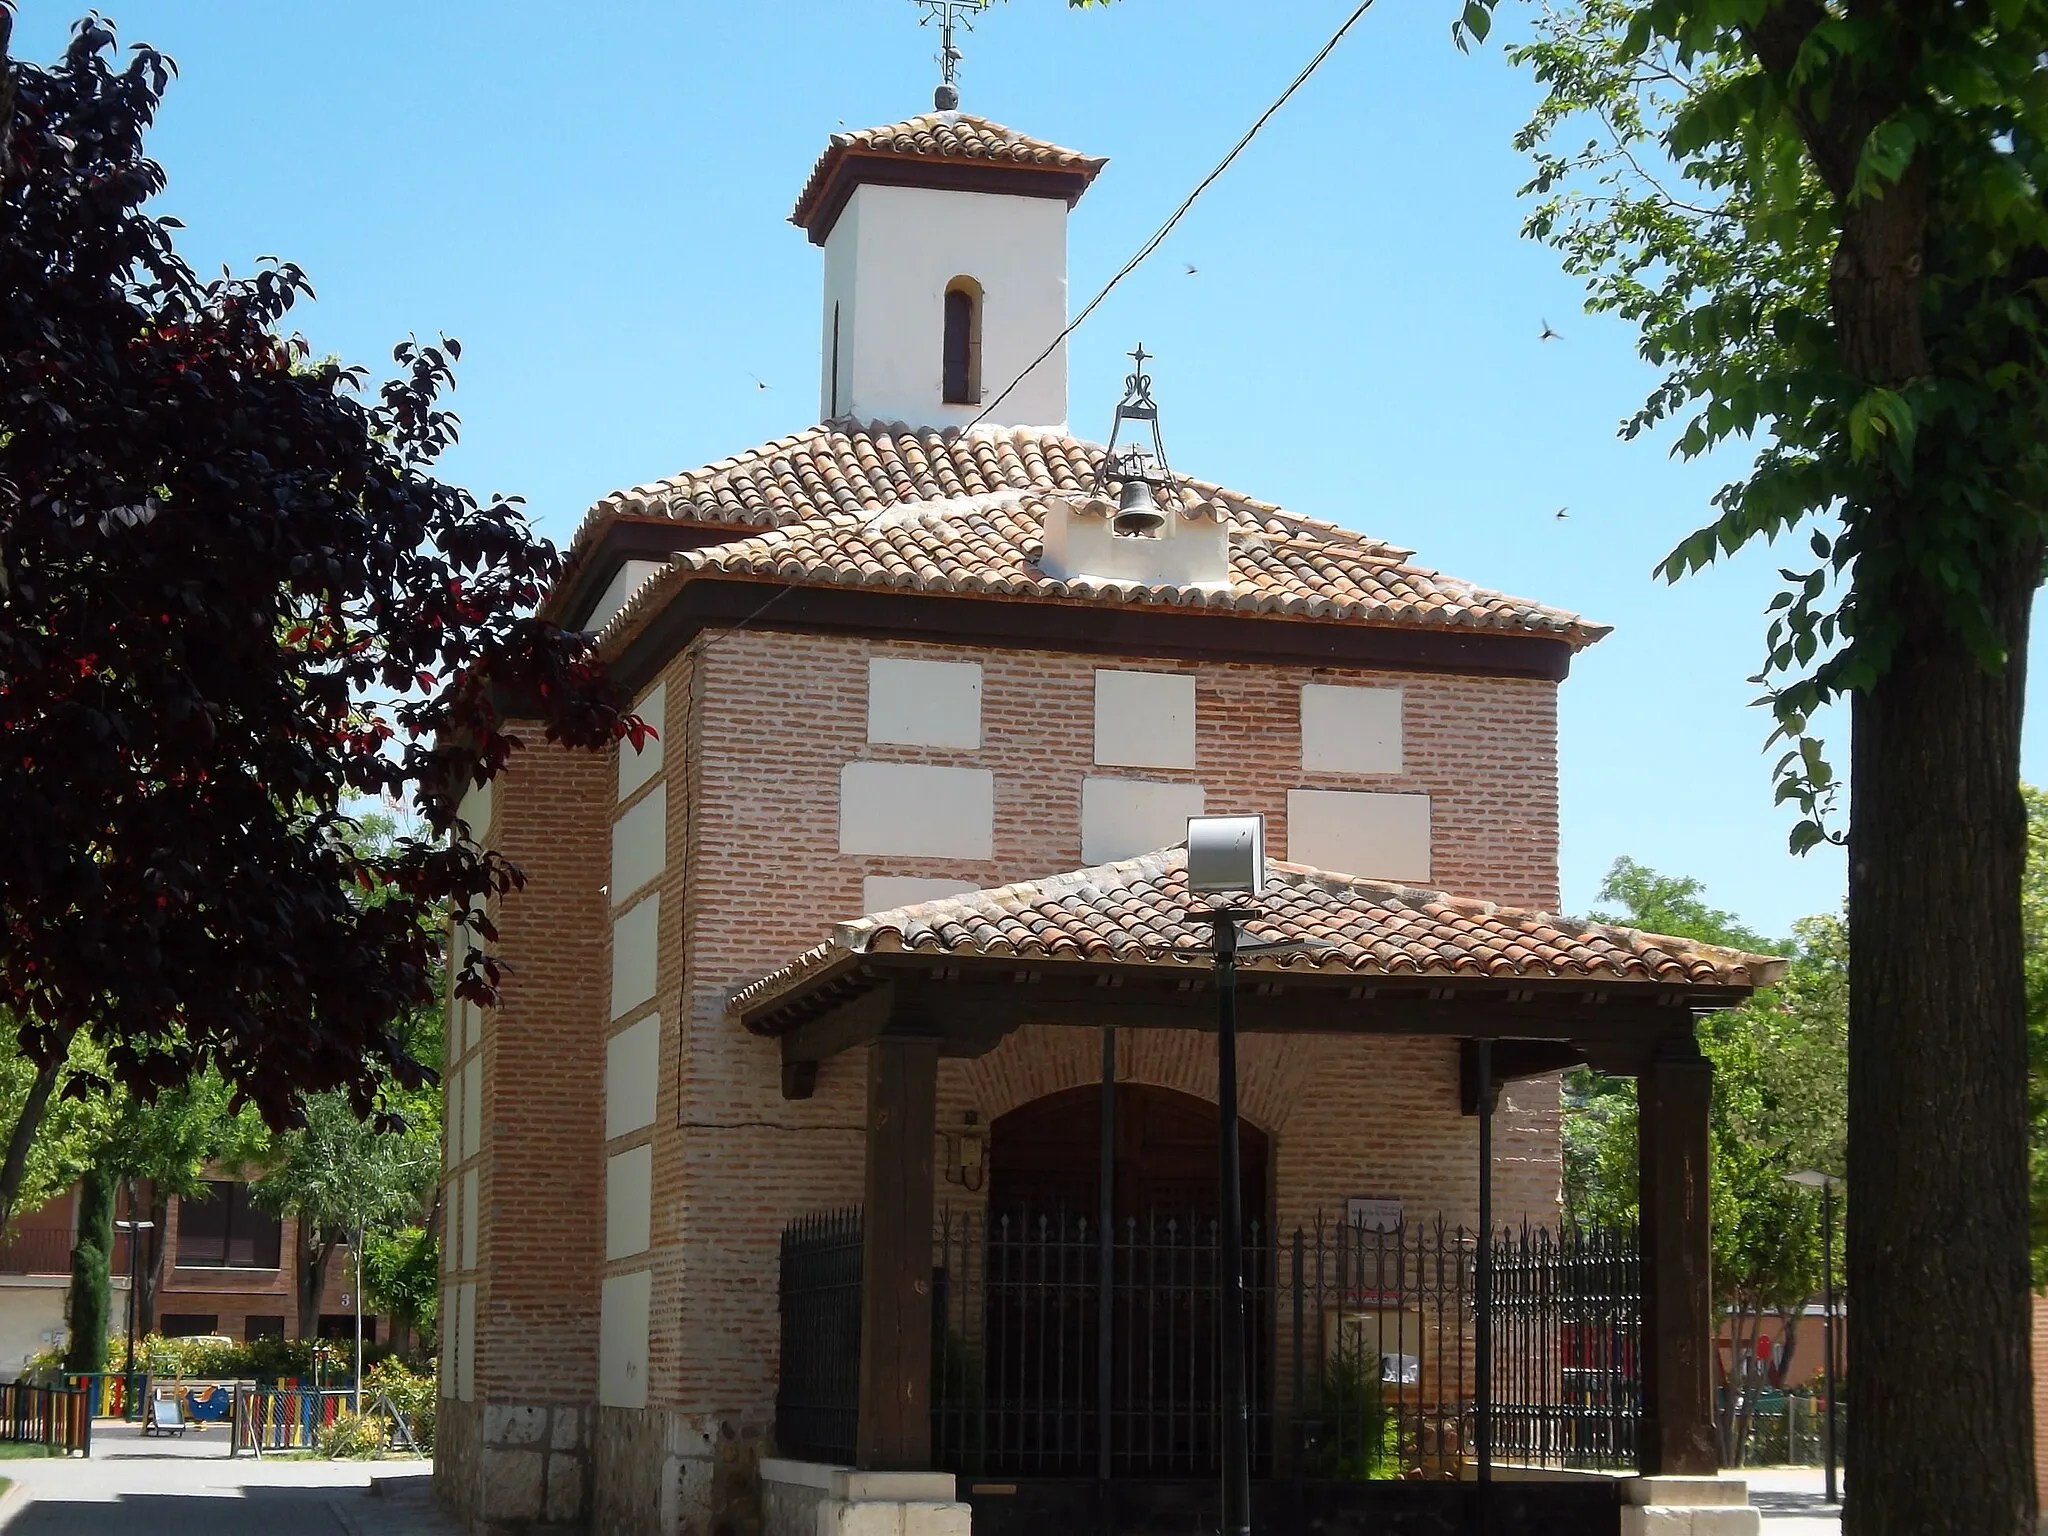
(980, 1340)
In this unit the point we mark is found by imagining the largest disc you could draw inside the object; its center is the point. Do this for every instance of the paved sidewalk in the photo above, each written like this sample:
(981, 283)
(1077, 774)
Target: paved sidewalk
(1792, 1501)
(188, 1486)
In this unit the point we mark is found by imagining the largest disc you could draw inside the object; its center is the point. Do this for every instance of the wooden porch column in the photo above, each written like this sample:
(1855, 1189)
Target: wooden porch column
(1673, 1097)
(894, 1433)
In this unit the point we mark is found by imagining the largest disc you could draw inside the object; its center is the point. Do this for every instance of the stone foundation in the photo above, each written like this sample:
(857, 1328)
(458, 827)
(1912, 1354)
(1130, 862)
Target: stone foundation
(514, 1468)
(663, 1473)
(808, 1498)
(1688, 1506)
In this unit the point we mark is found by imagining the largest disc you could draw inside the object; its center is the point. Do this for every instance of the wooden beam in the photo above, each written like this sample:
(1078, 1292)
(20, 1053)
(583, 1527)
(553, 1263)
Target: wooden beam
(1674, 1095)
(858, 1020)
(1513, 1060)
(893, 1432)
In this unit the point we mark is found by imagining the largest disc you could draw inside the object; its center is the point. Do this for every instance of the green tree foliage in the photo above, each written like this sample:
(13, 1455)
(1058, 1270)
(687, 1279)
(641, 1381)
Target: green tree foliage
(1826, 220)
(1780, 1074)
(402, 1279)
(338, 1174)
(91, 1281)
(165, 1146)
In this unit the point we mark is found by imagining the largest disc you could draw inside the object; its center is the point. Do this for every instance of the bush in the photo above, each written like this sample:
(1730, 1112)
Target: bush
(1353, 1437)
(350, 1435)
(412, 1393)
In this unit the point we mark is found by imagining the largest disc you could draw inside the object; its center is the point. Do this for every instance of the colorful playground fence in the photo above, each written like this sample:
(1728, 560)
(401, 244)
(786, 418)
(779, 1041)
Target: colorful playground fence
(58, 1417)
(282, 1418)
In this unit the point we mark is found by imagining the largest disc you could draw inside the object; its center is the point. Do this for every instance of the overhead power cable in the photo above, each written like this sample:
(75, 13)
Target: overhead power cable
(1159, 236)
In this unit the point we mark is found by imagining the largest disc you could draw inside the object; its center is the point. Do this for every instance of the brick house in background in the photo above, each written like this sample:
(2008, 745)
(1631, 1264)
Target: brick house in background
(227, 1269)
(912, 663)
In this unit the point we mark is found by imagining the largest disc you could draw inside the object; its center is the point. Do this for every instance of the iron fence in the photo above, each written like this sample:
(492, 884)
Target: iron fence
(1362, 1355)
(1567, 1339)
(818, 1393)
(1017, 1362)
(58, 1417)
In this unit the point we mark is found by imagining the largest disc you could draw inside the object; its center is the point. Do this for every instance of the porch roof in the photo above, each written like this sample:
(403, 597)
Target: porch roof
(1135, 914)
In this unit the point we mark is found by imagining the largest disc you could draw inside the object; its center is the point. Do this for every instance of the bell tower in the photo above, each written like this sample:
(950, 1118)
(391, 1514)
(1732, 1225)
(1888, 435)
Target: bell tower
(945, 242)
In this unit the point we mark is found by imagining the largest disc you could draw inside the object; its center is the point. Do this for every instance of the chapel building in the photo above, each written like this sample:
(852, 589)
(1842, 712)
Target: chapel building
(847, 952)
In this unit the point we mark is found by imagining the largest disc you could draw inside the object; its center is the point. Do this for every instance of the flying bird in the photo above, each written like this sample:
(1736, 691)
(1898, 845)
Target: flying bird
(1548, 333)
(1562, 512)
(1191, 271)
(759, 382)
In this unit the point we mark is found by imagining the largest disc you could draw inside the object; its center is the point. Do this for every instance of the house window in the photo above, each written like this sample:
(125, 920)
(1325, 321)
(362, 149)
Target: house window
(342, 1325)
(224, 1230)
(190, 1325)
(262, 1325)
(963, 342)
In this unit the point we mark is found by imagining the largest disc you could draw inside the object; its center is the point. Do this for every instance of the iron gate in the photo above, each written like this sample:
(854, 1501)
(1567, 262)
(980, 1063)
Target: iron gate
(1362, 1358)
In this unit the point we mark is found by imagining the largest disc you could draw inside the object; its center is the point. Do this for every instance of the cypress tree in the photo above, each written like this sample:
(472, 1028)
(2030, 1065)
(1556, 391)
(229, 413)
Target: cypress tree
(90, 1279)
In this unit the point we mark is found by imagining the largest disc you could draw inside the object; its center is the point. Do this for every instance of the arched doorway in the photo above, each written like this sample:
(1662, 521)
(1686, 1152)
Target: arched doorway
(1044, 1156)
(1042, 1308)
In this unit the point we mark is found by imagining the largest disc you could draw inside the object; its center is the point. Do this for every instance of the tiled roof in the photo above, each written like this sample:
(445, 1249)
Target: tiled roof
(1136, 912)
(957, 138)
(989, 544)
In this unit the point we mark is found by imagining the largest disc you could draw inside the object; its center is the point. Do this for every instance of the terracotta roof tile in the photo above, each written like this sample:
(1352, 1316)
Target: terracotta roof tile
(955, 138)
(1135, 912)
(988, 542)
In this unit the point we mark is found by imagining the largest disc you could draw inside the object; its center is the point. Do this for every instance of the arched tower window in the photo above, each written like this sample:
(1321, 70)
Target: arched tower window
(963, 342)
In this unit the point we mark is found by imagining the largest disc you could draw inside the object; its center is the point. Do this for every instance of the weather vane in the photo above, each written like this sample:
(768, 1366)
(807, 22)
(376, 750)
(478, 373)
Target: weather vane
(949, 14)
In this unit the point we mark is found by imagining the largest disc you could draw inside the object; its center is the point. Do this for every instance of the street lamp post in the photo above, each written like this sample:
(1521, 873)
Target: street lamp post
(1825, 1183)
(134, 1229)
(1227, 858)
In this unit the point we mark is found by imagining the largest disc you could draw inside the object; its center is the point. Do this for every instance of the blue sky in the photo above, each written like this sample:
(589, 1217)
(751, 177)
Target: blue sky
(593, 199)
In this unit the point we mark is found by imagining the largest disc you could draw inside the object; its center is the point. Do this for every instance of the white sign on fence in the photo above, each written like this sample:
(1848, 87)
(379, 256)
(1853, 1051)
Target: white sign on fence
(1373, 1215)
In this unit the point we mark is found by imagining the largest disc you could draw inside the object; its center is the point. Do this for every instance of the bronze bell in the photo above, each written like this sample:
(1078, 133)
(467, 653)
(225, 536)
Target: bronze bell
(1137, 513)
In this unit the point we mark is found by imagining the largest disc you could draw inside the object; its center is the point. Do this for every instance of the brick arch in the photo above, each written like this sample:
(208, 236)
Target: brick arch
(1042, 1059)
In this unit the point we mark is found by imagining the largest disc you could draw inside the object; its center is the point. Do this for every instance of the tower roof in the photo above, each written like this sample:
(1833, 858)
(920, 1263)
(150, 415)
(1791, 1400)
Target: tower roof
(952, 150)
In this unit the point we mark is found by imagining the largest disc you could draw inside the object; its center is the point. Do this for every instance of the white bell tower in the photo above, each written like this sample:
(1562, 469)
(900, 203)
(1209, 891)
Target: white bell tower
(945, 271)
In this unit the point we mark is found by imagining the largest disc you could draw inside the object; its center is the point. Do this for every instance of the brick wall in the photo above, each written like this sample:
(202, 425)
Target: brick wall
(758, 726)
(780, 715)
(522, 1430)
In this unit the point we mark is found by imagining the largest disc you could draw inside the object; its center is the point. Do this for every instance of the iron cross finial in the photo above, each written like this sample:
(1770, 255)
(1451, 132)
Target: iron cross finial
(949, 14)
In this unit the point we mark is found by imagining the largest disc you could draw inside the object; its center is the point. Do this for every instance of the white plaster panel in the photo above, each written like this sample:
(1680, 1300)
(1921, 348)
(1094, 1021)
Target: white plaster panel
(1145, 720)
(451, 1337)
(1122, 818)
(628, 579)
(913, 808)
(472, 1024)
(628, 1202)
(451, 1115)
(888, 260)
(451, 1198)
(1359, 832)
(1350, 730)
(474, 808)
(925, 703)
(465, 1341)
(473, 1107)
(632, 1076)
(885, 893)
(636, 934)
(469, 1218)
(636, 768)
(622, 1340)
(640, 844)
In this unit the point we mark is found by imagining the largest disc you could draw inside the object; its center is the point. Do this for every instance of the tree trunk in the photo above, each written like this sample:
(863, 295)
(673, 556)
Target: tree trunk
(152, 1277)
(15, 1166)
(1939, 1439)
(314, 1253)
